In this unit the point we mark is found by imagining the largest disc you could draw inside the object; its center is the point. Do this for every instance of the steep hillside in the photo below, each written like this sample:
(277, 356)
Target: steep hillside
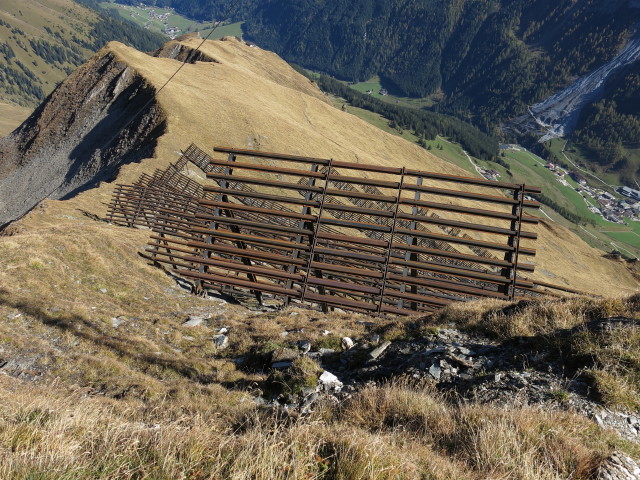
(109, 369)
(43, 41)
(236, 95)
(491, 59)
(610, 127)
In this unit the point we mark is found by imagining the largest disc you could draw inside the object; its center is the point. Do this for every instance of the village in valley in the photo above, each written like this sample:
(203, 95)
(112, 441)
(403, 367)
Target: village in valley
(162, 19)
(608, 206)
(611, 208)
(162, 16)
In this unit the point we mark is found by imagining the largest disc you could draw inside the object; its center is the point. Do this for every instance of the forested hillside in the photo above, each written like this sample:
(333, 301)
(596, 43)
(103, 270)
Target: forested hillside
(612, 125)
(490, 58)
(424, 124)
(42, 42)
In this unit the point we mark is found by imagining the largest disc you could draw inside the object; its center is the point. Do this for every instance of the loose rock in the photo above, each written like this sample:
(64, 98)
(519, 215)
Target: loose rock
(329, 380)
(281, 365)
(619, 467)
(284, 354)
(193, 321)
(117, 321)
(221, 341)
(346, 343)
(435, 371)
(375, 353)
(305, 346)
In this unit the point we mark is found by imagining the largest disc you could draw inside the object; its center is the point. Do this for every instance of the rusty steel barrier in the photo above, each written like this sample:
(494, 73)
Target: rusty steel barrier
(337, 234)
(138, 205)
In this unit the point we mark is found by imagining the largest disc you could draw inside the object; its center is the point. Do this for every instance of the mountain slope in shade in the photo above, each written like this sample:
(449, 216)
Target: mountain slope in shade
(235, 95)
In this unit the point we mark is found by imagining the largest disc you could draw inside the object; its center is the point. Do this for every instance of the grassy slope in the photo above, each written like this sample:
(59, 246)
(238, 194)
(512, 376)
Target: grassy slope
(154, 399)
(11, 115)
(31, 17)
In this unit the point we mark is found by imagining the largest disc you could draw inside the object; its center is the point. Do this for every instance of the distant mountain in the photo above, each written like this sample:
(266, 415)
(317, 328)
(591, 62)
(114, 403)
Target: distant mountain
(42, 42)
(490, 58)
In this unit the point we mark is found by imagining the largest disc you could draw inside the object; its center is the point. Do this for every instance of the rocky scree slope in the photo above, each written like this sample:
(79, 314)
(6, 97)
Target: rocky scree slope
(103, 116)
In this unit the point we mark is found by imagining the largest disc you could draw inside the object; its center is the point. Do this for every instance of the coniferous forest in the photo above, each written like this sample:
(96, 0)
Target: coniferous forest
(62, 48)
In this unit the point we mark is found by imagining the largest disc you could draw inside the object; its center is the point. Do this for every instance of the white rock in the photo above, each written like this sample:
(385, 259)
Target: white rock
(329, 380)
(374, 354)
(435, 371)
(346, 343)
(116, 322)
(193, 321)
(325, 332)
(221, 341)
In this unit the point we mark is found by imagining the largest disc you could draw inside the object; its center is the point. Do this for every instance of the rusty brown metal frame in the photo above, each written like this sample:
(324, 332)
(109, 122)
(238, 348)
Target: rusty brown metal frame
(351, 245)
(351, 283)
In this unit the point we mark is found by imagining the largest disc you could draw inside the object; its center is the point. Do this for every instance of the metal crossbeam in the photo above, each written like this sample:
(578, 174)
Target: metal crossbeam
(337, 236)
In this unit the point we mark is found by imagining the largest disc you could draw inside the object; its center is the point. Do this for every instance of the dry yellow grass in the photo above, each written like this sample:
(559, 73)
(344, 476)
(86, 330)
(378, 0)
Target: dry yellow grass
(11, 115)
(504, 320)
(395, 431)
(251, 98)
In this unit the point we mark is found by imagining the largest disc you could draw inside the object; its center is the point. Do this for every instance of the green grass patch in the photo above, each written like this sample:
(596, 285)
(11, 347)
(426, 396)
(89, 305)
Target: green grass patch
(526, 167)
(631, 239)
(374, 85)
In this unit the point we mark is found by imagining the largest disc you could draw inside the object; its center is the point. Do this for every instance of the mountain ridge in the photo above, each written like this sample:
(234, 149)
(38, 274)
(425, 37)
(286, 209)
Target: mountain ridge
(249, 97)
